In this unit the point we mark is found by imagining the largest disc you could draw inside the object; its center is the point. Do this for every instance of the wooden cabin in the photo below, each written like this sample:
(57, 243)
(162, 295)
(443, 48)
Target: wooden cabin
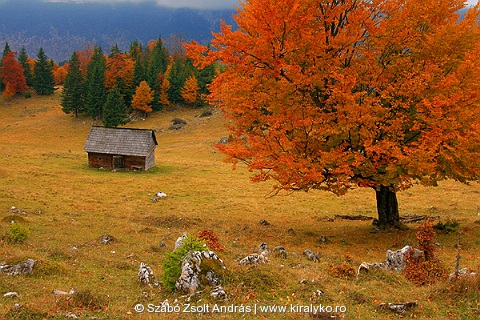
(121, 148)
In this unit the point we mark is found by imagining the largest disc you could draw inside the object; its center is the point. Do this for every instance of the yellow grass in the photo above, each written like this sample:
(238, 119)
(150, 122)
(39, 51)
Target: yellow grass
(43, 171)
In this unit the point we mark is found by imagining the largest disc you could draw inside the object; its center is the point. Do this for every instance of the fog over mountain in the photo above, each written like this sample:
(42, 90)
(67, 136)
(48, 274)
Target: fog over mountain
(64, 26)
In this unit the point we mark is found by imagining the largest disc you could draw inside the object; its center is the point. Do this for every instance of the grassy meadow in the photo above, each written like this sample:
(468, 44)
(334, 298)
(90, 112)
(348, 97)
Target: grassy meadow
(44, 172)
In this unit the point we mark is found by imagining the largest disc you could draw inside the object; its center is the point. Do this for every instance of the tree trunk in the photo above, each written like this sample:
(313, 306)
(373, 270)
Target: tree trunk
(387, 208)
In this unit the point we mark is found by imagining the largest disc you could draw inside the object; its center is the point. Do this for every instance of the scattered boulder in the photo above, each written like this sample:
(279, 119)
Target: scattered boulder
(64, 293)
(396, 259)
(223, 140)
(206, 113)
(365, 267)
(213, 279)
(106, 239)
(11, 294)
(312, 256)
(218, 293)
(177, 124)
(189, 279)
(263, 249)
(316, 295)
(180, 240)
(399, 307)
(280, 251)
(254, 258)
(322, 239)
(17, 269)
(159, 196)
(14, 210)
(264, 222)
(146, 276)
(462, 273)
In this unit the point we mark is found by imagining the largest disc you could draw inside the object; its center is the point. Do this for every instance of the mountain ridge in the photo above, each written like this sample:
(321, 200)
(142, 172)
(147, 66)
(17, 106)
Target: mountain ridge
(60, 28)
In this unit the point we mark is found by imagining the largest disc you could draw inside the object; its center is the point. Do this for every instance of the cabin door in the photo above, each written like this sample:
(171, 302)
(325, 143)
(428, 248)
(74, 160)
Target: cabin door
(118, 162)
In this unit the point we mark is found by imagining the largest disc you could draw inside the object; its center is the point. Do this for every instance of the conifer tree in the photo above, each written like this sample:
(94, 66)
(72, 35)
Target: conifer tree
(6, 50)
(73, 89)
(157, 67)
(114, 110)
(180, 71)
(27, 71)
(95, 91)
(43, 79)
(136, 54)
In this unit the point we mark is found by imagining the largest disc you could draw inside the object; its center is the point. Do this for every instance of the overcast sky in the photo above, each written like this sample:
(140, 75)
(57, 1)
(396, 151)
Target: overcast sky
(199, 4)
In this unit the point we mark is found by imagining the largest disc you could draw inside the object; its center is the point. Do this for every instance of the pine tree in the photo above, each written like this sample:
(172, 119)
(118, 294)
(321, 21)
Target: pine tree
(180, 71)
(95, 91)
(6, 50)
(43, 79)
(114, 110)
(73, 89)
(157, 67)
(27, 71)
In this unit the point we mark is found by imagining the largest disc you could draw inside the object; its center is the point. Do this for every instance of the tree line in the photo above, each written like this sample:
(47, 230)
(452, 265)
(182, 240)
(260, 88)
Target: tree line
(110, 87)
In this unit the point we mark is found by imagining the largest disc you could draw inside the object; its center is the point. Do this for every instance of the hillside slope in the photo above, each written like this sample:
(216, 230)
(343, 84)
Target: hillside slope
(69, 207)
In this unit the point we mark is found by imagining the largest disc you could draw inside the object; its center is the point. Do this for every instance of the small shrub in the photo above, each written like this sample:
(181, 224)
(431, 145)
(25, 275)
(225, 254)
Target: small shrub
(27, 95)
(211, 240)
(172, 266)
(447, 227)
(17, 233)
(426, 268)
(342, 270)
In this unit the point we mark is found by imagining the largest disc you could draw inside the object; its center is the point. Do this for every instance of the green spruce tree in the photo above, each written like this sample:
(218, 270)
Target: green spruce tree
(73, 89)
(43, 79)
(182, 68)
(114, 110)
(158, 65)
(27, 72)
(95, 91)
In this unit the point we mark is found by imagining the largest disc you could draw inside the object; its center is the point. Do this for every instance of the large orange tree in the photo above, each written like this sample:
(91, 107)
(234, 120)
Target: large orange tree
(339, 94)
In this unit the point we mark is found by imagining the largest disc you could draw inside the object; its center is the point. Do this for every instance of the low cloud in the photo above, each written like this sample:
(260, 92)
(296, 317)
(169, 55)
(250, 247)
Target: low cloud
(197, 4)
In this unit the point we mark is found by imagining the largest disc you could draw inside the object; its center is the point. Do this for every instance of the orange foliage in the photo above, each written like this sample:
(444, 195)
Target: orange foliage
(60, 73)
(119, 69)
(11, 72)
(426, 268)
(143, 97)
(84, 57)
(164, 87)
(190, 89)
(338, 94)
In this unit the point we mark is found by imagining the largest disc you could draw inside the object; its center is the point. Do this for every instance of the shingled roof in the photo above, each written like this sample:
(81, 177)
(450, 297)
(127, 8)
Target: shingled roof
(121, 141)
